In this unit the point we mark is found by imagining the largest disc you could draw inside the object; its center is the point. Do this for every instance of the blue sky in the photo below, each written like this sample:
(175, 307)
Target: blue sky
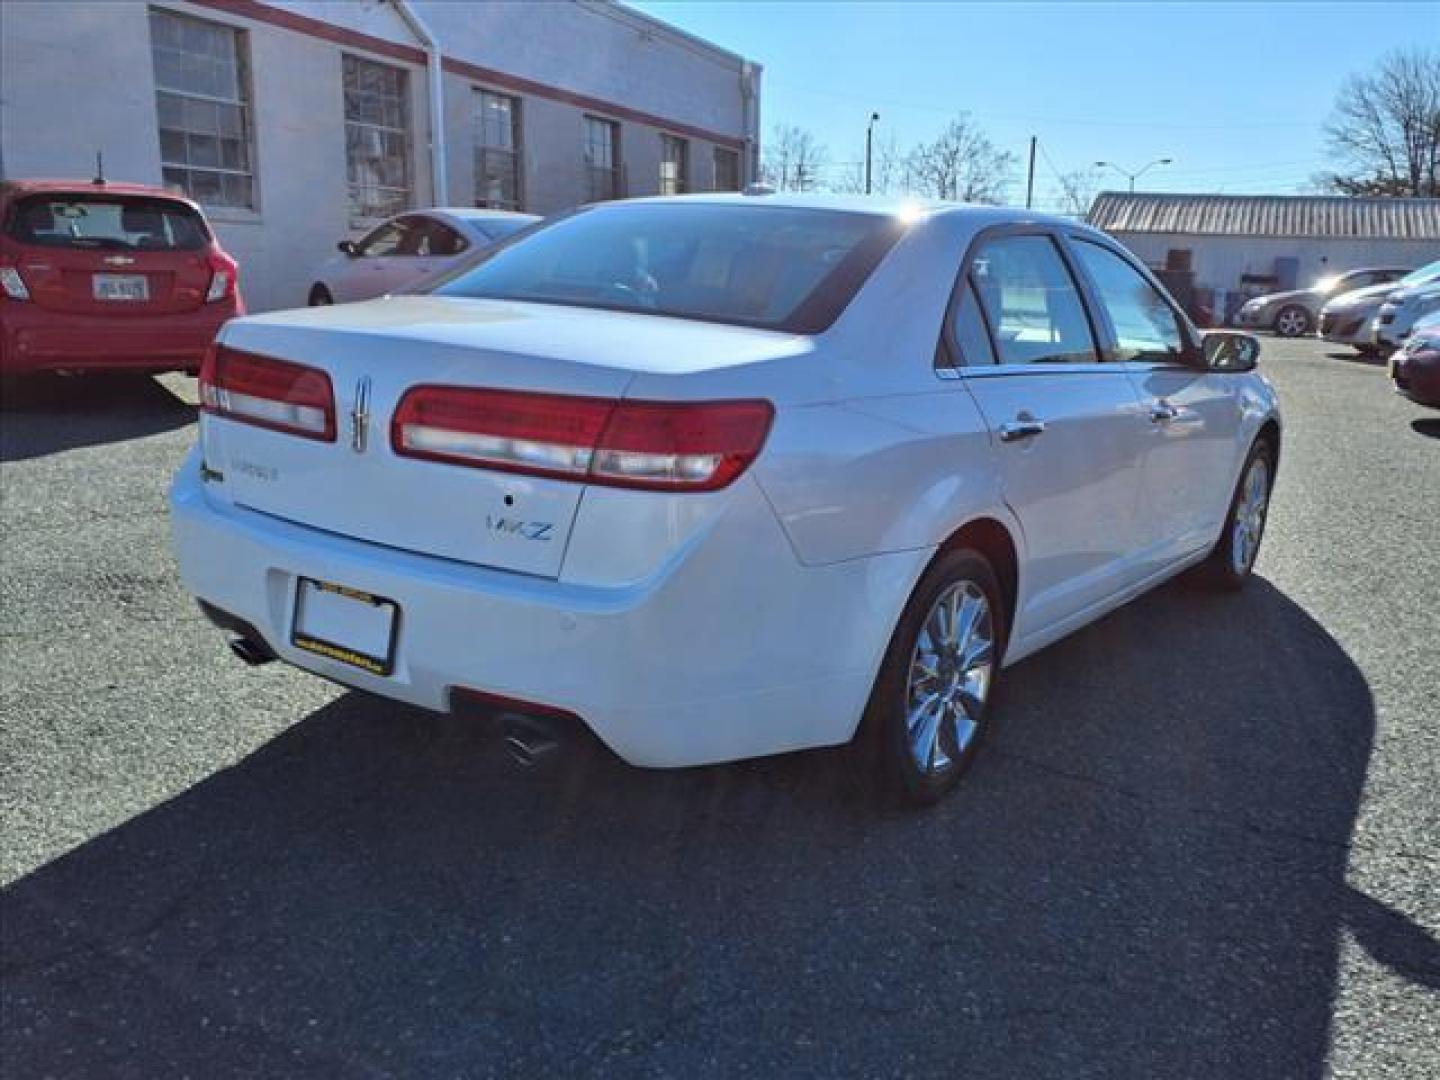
(1235, 93)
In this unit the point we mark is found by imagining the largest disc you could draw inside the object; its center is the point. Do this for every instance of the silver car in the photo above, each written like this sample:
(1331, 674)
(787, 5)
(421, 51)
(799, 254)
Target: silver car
(399, 252)
(1297, 312)
(1349, 319)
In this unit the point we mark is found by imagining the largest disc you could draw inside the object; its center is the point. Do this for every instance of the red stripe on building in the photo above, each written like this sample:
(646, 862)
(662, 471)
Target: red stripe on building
(302, 24)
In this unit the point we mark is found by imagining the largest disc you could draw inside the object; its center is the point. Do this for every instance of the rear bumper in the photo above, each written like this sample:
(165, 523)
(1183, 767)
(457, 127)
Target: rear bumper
(732, 650)
(34, 339)
(1346, 329)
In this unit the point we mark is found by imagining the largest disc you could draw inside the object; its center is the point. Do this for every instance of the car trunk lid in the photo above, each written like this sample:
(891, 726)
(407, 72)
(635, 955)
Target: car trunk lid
(372, 353)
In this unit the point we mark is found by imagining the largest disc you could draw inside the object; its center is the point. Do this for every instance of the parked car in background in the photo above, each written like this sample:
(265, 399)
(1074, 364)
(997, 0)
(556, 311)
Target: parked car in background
(1348, 319)
(97, 275)
(1401, 311)
(1415, 366)
(1291, 314)
(673, 440)
(408, 248)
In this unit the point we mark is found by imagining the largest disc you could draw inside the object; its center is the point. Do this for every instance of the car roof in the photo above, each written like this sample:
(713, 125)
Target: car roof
(472, 213)
(87, 187)
(908, 207)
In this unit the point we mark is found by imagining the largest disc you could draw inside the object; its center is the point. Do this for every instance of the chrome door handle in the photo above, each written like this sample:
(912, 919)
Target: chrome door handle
(1163, 412)
(1022, 427)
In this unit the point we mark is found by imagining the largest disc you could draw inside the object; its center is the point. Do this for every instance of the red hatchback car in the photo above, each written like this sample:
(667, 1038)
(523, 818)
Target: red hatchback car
(104, 276)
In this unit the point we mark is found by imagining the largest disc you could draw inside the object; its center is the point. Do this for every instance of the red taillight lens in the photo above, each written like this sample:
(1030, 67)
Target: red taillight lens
(267, 392)
(223, 276)
(699, 446)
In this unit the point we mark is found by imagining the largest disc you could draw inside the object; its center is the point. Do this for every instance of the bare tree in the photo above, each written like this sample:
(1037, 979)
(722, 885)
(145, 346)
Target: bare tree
(1077, 191)
(1385, 130)
(794, 159)
(961, 164)
(887, 170)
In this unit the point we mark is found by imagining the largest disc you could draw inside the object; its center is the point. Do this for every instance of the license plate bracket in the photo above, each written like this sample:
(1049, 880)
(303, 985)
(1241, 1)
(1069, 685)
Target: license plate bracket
(124, 288)
(349, 625)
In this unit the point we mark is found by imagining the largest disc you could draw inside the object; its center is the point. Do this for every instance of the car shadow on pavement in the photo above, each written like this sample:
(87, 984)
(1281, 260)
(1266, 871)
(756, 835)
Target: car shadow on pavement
(1352, 357)
(1144, 875)
(45, 414)
(1428, 426)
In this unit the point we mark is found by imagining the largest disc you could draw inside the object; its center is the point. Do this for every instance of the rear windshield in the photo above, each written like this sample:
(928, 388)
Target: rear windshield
(773, 267)
(106, 222)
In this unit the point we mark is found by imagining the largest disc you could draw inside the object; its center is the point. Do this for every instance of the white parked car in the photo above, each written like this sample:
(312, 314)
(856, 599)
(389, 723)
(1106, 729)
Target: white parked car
(1400, 312)
(725, 476)
(1349, 319)
(404, 250)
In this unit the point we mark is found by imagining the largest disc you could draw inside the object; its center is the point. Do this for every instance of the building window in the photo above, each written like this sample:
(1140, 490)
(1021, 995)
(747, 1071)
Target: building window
(727, 170)
(377, 138)
(602, 159)
(204, 114)
(674, 165)
(497, 160)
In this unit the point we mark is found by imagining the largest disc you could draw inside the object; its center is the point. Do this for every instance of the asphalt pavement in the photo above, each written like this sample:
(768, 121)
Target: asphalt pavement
(1204, 840)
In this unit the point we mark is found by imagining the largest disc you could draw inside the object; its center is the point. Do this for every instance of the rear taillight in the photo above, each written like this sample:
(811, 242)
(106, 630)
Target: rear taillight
(660, 446)
(13, 284)
(223, 272)
(269, 393)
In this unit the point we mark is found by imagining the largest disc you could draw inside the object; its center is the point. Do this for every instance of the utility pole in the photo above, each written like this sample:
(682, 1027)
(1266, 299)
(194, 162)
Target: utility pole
(869, 143)
(1030, 177)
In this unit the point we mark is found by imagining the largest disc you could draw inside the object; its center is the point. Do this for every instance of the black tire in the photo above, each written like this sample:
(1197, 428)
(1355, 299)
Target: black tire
(1229, 566)
(1293, 321)
(320, 296)
(884, 746)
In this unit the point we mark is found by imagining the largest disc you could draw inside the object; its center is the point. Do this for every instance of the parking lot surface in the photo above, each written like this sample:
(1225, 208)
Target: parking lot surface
(1202, 841)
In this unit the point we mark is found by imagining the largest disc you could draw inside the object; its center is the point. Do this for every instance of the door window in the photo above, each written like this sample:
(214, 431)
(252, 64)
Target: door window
(1146, 327)
(1031, 302)
(385, 240)
(427, 236)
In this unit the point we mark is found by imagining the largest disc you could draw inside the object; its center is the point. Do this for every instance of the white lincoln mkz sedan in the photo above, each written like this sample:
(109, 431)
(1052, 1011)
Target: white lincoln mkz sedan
(725, 476)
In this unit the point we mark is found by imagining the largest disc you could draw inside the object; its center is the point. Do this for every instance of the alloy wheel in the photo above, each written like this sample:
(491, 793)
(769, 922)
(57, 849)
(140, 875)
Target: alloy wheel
(1291, 323)
(951, 671)
(1250, 511)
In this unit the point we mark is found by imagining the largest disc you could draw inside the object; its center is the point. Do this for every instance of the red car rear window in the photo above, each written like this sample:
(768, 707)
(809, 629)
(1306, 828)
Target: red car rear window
(106, 222)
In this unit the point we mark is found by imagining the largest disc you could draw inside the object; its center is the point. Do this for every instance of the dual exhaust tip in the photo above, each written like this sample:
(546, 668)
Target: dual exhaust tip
(529, 740)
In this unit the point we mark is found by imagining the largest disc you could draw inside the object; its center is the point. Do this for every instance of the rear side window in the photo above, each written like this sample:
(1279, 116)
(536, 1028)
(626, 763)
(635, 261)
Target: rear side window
(774, 267)
(108, 223)
(968, 332)
(1031, 303)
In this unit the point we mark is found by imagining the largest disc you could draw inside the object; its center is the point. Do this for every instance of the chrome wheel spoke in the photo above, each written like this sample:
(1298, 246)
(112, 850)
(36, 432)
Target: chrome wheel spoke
(925, 729)
(949, 676)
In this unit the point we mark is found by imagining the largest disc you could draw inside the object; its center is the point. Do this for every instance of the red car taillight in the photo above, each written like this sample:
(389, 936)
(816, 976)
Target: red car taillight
(269, 393)
(659, 446)
(224, 272)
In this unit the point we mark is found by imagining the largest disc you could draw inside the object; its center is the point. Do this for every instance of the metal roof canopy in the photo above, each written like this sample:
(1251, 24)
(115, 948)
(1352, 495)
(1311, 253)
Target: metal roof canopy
(1288, 216)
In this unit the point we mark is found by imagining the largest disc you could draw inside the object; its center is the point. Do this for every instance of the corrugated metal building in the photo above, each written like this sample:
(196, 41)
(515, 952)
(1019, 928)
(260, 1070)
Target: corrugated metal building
(1242, 245)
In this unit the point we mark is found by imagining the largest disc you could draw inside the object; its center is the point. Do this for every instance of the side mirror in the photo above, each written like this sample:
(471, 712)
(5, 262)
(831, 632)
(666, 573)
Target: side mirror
(348, 247)
(1230, 350)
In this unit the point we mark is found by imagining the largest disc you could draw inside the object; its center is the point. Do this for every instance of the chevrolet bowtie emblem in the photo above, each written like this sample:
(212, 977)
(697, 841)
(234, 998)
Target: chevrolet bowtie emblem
(360, 415)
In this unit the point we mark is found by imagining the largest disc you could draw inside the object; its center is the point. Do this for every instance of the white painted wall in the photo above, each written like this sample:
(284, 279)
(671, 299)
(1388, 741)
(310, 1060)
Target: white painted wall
(52, 120)
(1219, 261)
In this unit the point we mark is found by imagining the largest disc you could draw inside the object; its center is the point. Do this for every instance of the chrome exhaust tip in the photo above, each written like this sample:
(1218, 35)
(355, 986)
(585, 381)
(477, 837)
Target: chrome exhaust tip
(529, 741)
(252, 652)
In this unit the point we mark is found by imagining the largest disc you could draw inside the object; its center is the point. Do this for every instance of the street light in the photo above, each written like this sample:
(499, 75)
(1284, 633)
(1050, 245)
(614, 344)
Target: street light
(869, 141)
(1133, 176)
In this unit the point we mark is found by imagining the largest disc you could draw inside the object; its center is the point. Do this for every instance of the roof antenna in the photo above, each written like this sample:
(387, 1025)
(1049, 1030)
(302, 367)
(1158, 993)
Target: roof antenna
(99, 180)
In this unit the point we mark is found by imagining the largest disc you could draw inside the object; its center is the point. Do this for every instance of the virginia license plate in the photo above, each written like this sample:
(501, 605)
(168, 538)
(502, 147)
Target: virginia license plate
(121, 287)
(345, 624)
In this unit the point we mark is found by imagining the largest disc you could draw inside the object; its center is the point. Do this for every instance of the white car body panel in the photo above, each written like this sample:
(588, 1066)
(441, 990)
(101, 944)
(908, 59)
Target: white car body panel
(680, 626)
